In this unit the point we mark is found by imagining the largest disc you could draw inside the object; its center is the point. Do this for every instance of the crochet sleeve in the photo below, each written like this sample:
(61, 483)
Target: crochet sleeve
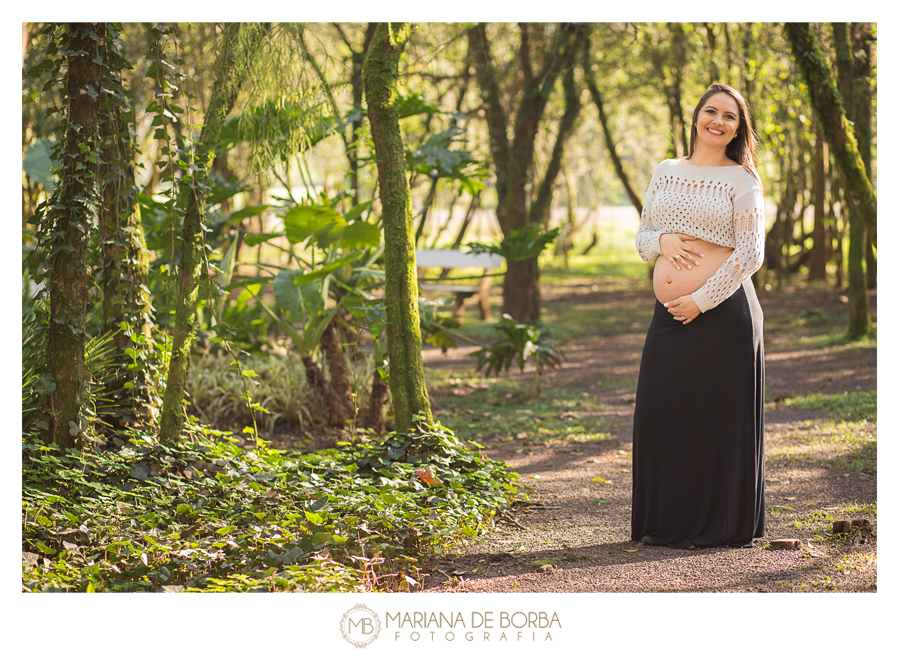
(747, 257)
(647, 240)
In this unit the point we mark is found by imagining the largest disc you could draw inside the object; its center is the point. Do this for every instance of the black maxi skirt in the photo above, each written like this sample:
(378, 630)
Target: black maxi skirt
(698, 428)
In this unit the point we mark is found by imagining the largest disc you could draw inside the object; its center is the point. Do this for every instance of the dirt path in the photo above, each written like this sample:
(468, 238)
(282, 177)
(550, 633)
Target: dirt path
(575, 537)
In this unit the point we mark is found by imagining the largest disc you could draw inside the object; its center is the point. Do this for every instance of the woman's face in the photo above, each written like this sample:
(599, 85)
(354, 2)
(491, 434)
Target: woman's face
(718, 120)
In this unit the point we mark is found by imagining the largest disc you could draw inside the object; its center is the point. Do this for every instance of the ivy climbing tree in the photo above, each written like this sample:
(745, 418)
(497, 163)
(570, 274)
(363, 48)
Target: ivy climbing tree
(124, 259)
(65, 228)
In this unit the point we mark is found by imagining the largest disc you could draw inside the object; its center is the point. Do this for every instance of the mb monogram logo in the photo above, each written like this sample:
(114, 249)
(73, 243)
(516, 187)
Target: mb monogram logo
(360, 626)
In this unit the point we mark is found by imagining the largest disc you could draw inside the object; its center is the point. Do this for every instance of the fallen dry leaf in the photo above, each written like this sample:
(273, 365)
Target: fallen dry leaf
(427, 476)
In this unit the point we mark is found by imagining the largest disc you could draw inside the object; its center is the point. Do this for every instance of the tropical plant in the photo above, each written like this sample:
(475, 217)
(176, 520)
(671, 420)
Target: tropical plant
(524, 343)
(521, 244)
(336, 272)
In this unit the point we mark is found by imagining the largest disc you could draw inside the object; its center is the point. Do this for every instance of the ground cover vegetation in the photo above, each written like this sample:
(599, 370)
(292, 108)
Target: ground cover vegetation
(231, 379)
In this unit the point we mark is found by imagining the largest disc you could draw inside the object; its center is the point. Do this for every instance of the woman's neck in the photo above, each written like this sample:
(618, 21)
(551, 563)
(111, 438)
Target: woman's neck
(705, 157)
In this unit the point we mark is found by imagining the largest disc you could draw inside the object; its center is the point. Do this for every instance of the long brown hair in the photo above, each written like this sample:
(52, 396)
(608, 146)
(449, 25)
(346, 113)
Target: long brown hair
(741, 149)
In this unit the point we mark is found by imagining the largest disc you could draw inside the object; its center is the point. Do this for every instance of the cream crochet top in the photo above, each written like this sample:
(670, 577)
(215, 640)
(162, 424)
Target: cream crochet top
(722, 205)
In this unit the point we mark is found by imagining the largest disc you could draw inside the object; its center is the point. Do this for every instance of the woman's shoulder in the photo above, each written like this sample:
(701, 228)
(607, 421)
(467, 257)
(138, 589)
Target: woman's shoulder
(745, 181)
(664, 167)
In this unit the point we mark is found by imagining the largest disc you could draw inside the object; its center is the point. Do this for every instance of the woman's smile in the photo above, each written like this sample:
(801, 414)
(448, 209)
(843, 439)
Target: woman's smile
(718, 120)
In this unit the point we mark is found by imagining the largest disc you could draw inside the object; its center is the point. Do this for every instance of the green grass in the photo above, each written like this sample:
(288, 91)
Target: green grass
(614, 257)
(838, 339)
(856, 405)
(845, 447)
(497, 409)
(824, 517)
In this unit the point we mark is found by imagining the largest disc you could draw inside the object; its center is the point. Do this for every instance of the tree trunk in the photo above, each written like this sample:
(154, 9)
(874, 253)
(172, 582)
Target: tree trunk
(817, 260)
(226, 81)
(860, 323)
(863, 36)
(513, 159)
(838, 198)
(470, 214)
(467, 221)
(748, 71)
(677, 60)
(125, 265)
(729, 56)
(68, 285)
(404, 340)
(356, 85)
(443, 227)
(540, 209)
(339, 400)
(432, 190)
(711, 41)
(607, 133)
(826, 102)
(374, 417)
(569, 226)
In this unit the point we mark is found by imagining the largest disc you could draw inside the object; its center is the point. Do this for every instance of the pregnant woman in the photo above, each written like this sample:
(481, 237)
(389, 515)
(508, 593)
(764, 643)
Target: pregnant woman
(698, 417)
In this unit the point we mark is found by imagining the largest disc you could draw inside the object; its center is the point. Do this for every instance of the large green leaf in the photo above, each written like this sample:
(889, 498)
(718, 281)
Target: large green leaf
(360, 234)
(253, 239)
(415, 104)
(287, 296)
(321, 223)
(358, 210)
(37, 163)
(311, 296)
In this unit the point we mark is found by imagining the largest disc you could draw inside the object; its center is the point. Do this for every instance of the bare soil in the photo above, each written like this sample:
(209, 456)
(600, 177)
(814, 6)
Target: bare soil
(574, 537)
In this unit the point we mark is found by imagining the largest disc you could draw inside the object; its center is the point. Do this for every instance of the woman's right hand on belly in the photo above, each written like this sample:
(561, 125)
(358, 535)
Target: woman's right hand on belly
(674, 249)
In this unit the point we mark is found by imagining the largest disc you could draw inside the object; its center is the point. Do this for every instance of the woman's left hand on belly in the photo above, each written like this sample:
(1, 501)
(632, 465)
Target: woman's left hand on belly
(684, 308)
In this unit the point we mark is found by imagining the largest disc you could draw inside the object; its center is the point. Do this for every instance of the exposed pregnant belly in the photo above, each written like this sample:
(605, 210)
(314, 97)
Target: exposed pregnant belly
(669, 283)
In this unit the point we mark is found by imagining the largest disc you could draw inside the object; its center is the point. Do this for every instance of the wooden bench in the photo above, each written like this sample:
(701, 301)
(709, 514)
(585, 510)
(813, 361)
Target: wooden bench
(455, 258)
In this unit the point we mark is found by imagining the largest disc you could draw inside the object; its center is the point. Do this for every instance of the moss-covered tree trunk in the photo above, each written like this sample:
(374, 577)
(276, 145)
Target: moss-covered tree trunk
(125, 261)
(404, 341)
(829, 108)
(68, 281)
(236, 37)
(860, 322)
(863, 37)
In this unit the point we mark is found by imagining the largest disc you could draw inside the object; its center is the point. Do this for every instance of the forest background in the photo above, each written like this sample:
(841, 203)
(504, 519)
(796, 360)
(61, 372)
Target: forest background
(505, 128)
